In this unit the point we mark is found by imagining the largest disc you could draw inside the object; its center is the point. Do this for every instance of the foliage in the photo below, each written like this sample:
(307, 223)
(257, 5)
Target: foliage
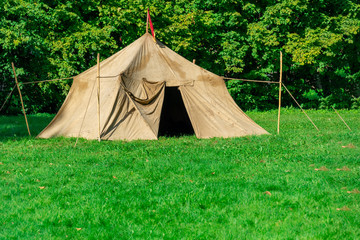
(48, 40)
(319, 40)
(311, 99)
(355, 103)
(300, 184)
(257, 96)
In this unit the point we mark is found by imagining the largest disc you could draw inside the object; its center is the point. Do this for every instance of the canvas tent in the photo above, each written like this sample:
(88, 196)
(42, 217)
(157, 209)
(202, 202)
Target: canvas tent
(147, 89)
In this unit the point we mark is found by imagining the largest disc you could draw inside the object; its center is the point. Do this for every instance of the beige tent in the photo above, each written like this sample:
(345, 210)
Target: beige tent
(146, 89)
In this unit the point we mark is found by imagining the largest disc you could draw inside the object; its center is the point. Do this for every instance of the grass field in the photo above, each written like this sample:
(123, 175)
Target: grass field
(301, 184)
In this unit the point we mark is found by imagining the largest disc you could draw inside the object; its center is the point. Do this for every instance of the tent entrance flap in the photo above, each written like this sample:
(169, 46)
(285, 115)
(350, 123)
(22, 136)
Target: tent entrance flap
(174, 120)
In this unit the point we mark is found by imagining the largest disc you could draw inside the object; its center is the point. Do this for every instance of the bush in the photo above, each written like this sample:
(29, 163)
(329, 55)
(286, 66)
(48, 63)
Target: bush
(311, 99)
(355, 103)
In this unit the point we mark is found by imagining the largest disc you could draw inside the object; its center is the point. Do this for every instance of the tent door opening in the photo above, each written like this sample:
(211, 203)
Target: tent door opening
(174, 120)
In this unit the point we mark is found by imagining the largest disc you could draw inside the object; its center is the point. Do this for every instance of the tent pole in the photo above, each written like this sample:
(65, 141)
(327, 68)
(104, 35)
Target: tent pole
(280, 84)
(98, 94)
(147, 22)
(22, 103)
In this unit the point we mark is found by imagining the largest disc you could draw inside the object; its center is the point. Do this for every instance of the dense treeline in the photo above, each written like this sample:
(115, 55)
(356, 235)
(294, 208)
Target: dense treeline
(235, 38)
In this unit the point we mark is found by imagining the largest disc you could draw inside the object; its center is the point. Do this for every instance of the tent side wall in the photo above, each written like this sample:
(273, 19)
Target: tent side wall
(212, 111)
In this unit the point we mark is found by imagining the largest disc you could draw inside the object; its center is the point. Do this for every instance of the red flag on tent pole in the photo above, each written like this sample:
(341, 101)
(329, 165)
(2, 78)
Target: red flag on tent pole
(151, 25)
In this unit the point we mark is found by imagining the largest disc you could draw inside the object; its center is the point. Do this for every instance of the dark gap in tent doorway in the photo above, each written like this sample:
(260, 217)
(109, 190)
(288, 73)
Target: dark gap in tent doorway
(174, 120)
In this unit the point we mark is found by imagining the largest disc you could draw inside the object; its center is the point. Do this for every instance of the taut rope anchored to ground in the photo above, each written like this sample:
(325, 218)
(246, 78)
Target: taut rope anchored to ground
(341, 118)
(8, 96)
(261, 81)
(51, 80)
(300, 106)
(248, 80)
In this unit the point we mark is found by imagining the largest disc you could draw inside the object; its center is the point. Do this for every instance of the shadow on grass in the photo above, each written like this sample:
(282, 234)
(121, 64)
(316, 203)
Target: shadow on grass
(15, 127)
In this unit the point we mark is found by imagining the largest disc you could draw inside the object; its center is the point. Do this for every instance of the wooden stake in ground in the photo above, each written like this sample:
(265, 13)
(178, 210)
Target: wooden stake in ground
(22, 103)
(280, 84)
(98, 94)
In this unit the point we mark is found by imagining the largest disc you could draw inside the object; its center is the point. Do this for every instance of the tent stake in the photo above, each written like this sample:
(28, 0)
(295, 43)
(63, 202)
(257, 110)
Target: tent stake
(98, 94)
(280, 84)
(21, 99)
(341, 118)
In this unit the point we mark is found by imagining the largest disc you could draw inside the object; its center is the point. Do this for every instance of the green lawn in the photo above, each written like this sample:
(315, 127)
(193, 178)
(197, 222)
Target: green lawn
(301, 184)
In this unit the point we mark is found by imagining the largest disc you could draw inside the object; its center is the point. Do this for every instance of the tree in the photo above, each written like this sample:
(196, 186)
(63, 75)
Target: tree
(233, 38)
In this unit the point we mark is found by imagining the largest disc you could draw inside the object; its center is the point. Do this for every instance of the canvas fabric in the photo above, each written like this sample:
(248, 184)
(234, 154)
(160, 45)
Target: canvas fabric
(132, 88)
